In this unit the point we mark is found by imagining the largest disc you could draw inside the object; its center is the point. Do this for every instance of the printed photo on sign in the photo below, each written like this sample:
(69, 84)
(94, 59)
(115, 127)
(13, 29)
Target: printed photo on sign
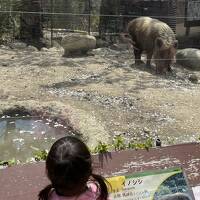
(152, 185)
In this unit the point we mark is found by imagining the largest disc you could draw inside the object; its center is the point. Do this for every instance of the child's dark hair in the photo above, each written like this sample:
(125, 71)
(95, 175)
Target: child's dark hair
(69, 166)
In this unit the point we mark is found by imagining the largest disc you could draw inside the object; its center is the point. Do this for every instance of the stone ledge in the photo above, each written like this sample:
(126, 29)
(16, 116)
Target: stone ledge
(25, 181)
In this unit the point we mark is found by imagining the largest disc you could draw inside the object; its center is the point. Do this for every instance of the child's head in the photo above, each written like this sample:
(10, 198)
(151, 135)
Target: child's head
(68, 165)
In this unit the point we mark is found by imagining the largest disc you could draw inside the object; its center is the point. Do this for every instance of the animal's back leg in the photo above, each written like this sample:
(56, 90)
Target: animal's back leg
(149, 56)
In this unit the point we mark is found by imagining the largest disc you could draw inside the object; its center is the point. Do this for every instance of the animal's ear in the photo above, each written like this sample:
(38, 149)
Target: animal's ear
(176, 44)
(159, 42)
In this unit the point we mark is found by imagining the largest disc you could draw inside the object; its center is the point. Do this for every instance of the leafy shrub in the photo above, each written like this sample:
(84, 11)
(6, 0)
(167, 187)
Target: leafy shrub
(40, 155)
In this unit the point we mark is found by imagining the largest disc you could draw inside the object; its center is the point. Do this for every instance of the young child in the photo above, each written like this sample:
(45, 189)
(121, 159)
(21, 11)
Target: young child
(69, 168)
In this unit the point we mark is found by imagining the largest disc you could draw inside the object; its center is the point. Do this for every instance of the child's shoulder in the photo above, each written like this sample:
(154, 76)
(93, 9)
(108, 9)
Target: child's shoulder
(93, 186)
(92, 193)
(95, 190)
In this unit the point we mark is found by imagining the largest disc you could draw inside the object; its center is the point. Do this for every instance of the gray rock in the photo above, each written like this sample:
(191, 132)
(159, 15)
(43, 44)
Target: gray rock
(193, 78)
(4, 47)
(43, 49)
(77, 43)
(31, 48)
(189, 58)
(102, 43)
(119, 46)
(55, 43)
(104, 51)
(59, 50)
(19, 45)
(4, 64)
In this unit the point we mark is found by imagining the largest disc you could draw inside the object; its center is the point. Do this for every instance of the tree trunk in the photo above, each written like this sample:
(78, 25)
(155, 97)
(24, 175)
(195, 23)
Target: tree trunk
(30, 23)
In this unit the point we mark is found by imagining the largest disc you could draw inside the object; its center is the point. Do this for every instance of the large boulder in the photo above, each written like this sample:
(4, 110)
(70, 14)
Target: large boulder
(18, 45)
(189, 58)
(101, 43)
(31, 48)
(77, 44)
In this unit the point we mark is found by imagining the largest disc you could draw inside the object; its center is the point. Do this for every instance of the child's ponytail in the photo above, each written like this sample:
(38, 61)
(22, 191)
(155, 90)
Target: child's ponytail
(103, 187)
(44, 194)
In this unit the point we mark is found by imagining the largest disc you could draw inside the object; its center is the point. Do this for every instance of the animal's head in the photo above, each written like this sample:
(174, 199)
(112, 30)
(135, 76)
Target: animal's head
(165, 54)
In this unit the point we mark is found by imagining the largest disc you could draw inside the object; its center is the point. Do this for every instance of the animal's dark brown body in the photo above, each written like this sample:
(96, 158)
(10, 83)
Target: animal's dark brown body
(156, 38)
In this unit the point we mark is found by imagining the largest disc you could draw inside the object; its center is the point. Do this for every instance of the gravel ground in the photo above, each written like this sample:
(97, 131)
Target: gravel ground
(107, 91)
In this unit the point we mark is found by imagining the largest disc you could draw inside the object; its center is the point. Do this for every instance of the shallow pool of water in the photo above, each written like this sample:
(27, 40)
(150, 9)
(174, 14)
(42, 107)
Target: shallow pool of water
(20, 137)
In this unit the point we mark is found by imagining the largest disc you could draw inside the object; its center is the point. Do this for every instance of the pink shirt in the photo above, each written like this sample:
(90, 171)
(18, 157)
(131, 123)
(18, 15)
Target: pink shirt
(92, 193)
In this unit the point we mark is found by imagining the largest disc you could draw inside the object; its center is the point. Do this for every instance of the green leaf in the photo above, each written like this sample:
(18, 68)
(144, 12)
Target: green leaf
(101, 147)
(119, 143)
(9, 163)
(40, 155)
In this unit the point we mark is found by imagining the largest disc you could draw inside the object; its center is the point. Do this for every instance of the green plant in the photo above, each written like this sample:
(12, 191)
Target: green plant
(146, 145)
(101, 147)
(40, 155)
(136, 146)
(9, 163)
(119, 143)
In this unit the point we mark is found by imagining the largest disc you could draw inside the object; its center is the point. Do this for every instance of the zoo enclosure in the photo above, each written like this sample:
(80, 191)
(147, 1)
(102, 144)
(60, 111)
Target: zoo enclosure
(31, 20)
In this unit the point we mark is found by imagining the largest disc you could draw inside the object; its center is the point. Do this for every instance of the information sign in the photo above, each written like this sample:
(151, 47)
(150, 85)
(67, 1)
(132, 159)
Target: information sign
(152, 185)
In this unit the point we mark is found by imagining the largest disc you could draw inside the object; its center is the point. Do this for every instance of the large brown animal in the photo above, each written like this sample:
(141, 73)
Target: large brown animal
(157, 39)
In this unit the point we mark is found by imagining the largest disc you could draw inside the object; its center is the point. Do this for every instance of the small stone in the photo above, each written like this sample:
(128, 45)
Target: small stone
(19, 45)
(146, 130)
(31, 48)
(193, 78)
(43, 49)
(4, 47)
(119, 47)
(53, 49)
(4, 64)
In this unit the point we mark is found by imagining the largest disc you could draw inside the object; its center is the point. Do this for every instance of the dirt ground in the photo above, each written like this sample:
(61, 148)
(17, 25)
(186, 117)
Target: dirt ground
(107, 86)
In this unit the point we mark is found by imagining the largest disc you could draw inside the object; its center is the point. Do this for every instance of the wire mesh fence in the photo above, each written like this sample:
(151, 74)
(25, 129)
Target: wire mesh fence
(35, 19)
(25, 19)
